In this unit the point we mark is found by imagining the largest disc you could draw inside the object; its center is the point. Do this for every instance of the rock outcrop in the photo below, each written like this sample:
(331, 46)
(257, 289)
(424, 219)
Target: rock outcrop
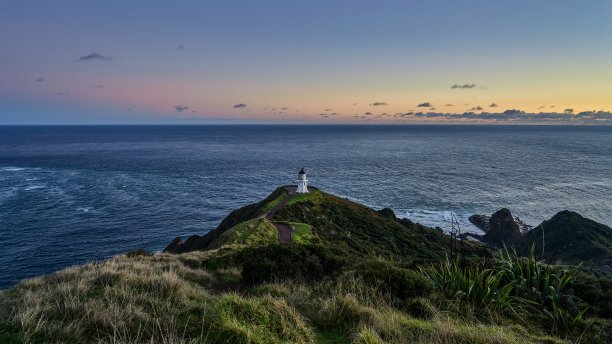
(500, 228)
(503, 230)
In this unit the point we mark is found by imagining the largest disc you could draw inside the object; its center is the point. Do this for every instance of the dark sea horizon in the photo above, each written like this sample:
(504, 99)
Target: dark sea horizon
(72, 194)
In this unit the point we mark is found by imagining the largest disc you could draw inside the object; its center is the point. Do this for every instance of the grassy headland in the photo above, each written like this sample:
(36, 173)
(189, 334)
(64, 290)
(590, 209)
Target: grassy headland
(350, 275)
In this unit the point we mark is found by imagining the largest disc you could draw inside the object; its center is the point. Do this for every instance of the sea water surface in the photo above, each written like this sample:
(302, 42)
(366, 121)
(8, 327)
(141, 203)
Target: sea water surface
(74, 194)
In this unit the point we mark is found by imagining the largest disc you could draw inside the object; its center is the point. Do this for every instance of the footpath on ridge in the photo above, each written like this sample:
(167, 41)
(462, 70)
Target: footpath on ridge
(284, 230)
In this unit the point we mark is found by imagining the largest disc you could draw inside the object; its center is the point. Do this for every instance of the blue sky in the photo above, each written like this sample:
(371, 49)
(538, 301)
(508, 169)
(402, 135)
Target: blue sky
(294, 62)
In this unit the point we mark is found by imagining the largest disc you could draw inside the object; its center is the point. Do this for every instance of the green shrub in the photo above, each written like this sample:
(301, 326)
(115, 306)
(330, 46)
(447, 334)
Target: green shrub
(293, 262)
(398, 282)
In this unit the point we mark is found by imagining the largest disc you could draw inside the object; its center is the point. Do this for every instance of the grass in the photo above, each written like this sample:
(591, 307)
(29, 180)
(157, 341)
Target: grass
(313, 194)
(164, 298)
(253, 232)
(348, 277)
(269, 205)
(302, 233)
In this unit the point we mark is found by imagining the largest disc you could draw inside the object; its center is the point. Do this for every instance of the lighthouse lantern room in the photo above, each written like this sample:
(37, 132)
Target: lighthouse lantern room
(302, 182)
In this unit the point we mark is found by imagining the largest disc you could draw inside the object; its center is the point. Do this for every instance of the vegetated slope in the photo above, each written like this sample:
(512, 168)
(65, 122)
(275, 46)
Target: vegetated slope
(339, 222)
(355, 276)
(161, 298)
(570, 238)
(249, 212)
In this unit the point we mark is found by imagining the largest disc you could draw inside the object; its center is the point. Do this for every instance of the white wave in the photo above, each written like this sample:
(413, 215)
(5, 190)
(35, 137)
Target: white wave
(34, 187)
(439, 218)
(84, 209)
(12, 169)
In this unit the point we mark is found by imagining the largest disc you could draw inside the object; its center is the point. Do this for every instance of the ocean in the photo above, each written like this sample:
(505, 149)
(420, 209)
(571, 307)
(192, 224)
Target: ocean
(75, 194)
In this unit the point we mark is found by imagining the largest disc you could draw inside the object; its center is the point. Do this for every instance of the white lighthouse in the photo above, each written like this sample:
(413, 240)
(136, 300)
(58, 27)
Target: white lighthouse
(302, 182)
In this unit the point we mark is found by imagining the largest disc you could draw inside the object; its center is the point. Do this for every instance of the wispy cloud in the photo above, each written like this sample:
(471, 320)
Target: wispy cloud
(240, 106)
(93, 57)
(180, 48)
(426, 104)
(493, 105)
(181, 108)
(464, 86)
(40, 79)
(378, 104)
(477, 108)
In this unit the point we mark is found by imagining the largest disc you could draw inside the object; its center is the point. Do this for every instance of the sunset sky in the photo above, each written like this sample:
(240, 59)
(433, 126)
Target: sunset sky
(184, 62)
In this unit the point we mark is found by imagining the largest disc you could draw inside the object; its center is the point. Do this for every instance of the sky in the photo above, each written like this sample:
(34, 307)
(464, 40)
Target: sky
(354, 61)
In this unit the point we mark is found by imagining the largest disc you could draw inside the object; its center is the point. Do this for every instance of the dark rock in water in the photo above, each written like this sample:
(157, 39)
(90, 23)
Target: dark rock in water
(480, 221)
(501, 228)
(483, 223)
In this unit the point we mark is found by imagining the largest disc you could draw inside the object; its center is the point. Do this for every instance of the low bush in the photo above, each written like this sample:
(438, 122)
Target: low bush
(398, 282)
(290, 262)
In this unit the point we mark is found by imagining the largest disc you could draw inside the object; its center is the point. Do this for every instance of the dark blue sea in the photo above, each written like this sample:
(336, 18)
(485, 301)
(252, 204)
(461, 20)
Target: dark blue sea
(74, 194)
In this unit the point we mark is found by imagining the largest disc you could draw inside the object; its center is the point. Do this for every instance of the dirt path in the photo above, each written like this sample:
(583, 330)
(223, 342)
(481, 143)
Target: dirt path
(284, 231)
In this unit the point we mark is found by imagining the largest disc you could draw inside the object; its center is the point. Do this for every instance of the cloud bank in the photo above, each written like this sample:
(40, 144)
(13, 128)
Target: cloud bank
(513, 116)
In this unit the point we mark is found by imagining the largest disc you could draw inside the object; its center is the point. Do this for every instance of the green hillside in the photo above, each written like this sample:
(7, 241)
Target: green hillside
(570, 238)
(347, 274)
(338, 222)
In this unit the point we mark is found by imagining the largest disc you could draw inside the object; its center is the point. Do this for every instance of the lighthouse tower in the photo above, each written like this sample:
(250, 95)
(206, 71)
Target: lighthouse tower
(302, 182)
